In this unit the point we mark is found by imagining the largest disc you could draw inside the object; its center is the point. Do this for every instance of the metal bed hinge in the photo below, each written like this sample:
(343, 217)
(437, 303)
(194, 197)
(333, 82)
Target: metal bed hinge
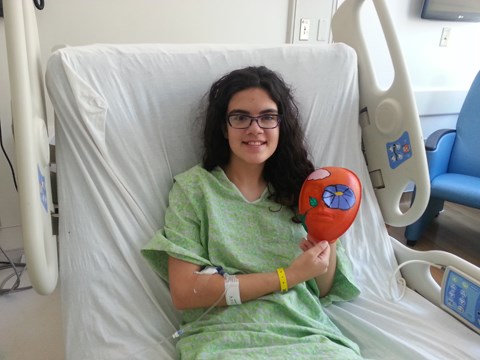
(53, 189)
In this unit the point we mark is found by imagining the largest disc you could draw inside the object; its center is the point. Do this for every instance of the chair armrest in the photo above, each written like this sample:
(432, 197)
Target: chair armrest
(434, 138)
(439, 147)
(418, 276)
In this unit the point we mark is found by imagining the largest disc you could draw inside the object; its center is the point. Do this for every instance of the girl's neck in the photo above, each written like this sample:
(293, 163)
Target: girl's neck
(248, 179)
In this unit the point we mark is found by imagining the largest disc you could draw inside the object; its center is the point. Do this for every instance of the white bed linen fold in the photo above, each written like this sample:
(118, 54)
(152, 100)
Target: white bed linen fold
(127, 123)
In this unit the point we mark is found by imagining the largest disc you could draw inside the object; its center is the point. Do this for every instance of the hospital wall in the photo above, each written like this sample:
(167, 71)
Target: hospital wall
(440, 75)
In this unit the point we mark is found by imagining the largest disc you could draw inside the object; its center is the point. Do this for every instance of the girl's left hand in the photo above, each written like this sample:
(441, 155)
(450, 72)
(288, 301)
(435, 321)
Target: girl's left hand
(324, 281)
(307, 243)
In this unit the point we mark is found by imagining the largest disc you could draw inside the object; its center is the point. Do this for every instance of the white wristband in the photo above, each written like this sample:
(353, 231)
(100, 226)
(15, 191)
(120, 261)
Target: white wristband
(232, 290)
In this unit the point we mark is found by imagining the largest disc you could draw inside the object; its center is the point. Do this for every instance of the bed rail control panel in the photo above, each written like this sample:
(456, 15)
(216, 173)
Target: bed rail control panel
(461, 297)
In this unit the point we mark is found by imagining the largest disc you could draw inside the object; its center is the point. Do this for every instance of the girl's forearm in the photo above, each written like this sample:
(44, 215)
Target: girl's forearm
(190, 290)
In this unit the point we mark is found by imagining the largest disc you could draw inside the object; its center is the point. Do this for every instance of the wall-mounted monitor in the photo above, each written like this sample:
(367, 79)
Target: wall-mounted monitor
(451, 10)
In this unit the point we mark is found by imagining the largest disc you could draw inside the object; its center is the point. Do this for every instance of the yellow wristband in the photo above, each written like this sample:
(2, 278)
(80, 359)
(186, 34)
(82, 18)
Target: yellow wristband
(283, 280)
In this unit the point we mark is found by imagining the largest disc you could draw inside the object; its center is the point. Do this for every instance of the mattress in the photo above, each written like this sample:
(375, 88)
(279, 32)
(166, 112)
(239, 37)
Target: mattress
(127, 121)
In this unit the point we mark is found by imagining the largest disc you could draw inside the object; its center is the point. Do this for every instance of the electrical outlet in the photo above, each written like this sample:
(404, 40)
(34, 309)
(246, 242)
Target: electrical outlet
(445, 37)
(304, 29)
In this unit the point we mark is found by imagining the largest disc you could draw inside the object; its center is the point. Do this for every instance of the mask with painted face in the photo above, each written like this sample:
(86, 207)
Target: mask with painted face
(329, 202)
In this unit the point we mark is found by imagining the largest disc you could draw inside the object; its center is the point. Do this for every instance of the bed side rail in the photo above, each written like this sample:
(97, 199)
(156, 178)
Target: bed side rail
(31, 143)
(418, 276)
(391, 132)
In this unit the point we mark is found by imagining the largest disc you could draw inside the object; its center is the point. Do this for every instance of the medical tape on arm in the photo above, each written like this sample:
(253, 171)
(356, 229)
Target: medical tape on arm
(204, 277)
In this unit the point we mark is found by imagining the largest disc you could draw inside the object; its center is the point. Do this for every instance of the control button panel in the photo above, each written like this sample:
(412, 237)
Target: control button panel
(461, 297)
(399, 151)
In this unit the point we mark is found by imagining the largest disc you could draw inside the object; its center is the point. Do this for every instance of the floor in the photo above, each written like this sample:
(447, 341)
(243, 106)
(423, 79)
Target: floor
(455, 230)
(30, 324)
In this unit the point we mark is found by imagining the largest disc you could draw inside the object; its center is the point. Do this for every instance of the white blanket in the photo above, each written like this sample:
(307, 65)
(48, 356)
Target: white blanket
(126, 124)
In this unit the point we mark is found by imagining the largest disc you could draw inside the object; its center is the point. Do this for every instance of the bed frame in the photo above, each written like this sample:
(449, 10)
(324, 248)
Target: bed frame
(388, 118)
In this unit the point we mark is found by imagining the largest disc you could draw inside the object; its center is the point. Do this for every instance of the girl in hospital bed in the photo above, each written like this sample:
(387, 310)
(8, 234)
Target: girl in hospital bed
(238, 261)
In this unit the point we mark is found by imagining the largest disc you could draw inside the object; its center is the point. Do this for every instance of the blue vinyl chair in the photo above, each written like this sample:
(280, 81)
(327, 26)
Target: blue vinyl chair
(453, 163)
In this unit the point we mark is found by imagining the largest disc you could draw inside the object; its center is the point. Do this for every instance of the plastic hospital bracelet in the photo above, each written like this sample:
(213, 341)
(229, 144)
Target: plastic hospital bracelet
(283, 280)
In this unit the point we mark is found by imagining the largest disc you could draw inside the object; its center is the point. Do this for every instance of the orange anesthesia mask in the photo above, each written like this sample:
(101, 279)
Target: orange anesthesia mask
(329, 202)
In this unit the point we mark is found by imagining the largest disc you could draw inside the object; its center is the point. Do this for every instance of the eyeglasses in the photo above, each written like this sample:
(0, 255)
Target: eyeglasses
(243, 121)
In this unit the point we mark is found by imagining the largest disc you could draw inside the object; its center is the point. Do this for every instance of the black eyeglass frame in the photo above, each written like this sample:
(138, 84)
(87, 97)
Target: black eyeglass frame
(252, 119)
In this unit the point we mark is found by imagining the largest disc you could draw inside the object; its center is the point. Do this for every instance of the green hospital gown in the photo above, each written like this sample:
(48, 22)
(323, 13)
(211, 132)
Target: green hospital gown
(209, 222)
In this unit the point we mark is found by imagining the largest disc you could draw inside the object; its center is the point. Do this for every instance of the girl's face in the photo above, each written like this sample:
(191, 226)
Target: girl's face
(253, 145)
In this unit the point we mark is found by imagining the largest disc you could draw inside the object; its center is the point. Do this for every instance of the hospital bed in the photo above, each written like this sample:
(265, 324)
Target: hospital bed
(126, 122)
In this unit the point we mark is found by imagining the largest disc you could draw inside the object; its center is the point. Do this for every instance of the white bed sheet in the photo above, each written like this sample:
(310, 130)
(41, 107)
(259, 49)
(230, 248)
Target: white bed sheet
(126, 124)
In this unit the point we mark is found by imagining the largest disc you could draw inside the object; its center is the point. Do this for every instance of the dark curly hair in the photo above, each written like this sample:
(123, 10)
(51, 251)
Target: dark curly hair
(289, 166)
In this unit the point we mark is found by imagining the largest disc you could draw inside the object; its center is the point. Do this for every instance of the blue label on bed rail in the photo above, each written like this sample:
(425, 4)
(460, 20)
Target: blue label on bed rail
(399, 151)
(43, 189)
